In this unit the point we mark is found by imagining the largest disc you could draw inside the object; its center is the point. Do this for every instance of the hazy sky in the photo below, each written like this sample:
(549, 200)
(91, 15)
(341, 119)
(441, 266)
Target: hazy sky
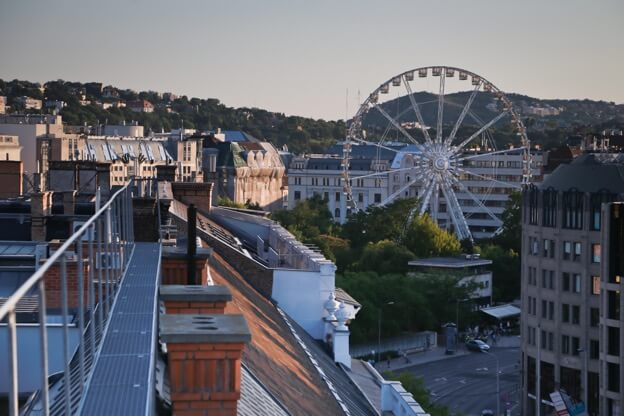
(299, 57)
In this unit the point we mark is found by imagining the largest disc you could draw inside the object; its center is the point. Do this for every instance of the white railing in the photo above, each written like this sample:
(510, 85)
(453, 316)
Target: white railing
(108, 238)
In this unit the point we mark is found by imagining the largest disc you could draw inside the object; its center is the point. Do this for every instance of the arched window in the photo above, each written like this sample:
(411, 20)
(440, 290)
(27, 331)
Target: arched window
(549, 207)
(573, 209)
(337, 213)
(595, 205)
(531, 205)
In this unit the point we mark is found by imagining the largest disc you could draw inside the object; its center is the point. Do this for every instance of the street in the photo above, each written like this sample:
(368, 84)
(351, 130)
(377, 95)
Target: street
(467, 383)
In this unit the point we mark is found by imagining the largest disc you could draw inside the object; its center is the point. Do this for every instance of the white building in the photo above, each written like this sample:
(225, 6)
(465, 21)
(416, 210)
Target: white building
(322, 174)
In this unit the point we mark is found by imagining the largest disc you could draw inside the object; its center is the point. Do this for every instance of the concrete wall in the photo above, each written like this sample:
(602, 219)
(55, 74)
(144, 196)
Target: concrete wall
(301, 294)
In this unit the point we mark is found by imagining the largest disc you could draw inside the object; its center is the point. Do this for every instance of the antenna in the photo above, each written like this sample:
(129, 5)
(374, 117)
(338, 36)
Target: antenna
(347, 105)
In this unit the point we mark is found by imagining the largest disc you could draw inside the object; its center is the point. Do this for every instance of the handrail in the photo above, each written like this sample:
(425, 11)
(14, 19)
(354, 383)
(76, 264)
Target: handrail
(12, 301)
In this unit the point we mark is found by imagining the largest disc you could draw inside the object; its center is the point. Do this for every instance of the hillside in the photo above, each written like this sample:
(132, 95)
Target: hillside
(93, 103)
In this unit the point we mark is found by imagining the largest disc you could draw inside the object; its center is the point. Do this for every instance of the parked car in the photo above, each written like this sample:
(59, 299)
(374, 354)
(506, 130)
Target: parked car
(477, 345)
(487, 412)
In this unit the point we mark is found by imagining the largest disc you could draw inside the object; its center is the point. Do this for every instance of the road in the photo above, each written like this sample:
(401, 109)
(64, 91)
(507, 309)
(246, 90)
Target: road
(467, 384)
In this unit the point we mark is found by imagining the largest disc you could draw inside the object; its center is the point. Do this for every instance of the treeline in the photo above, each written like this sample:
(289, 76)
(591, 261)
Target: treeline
(372, 251)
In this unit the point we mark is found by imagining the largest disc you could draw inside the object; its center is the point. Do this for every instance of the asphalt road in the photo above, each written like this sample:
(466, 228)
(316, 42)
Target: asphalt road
(467, 384)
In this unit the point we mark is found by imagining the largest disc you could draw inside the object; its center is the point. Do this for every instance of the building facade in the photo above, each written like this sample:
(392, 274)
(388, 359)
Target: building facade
(565, 306)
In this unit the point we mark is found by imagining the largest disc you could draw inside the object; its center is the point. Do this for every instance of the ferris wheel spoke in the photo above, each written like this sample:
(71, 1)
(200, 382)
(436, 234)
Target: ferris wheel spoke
(440, 107)
(486, 178)
(455, 212)
(462, 158)
(481, 130)
(417, 168)
(398, 192)
(398, 126)
(459, 121)
(435, 201)
(424, 201)
(416, 108)
(479, 202)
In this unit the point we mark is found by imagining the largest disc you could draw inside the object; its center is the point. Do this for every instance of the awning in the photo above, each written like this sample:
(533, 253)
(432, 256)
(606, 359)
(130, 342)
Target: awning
(502, 312)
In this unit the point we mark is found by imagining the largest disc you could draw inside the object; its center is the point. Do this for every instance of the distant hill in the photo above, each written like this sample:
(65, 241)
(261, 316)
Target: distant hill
(93, 103)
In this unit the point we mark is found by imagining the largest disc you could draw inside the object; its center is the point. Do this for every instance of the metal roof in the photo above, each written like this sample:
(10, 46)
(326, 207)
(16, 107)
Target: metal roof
(450, 262)
(18, 249)
(502, 312)
(589, 173)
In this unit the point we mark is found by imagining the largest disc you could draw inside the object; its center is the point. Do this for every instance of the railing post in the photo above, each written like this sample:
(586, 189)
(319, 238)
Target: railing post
(43, 334)
(81, 325)
(109, 258)
(91, 234)
(66, 356)
(98, 262)
(13, 364)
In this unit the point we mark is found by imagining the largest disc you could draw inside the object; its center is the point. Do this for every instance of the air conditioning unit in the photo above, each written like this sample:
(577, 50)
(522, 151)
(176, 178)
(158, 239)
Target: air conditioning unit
(108, 261)
(89, 234)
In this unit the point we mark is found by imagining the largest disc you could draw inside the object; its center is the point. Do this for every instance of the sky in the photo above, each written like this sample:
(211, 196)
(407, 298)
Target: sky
(300, 57)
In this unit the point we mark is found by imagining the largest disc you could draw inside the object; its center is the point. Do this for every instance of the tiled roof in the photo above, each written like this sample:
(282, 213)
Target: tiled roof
(278, 360)
(255, 400)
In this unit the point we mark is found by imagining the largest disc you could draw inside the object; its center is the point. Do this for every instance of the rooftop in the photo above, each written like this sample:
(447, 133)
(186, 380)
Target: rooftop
(450, 262)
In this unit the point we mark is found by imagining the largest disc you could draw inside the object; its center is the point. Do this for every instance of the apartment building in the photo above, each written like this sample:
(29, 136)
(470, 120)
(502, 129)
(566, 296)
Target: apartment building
(571, 315)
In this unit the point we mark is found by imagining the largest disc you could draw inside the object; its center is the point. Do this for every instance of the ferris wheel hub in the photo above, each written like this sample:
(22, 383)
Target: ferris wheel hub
(441, 163)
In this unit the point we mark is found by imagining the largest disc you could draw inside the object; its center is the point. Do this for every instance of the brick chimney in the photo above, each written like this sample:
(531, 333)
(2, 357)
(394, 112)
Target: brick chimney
(40, 209)
(204, 358)
(181, 299)
(199, 194)
(69, 202)
(175, 265)
(53, 283)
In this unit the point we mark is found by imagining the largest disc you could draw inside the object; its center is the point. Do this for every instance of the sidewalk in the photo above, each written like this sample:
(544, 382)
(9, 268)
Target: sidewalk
(439, 353)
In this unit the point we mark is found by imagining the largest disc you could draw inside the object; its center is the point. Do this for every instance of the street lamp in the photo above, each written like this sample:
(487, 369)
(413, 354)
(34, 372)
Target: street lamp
(379, 328)
(497, 383)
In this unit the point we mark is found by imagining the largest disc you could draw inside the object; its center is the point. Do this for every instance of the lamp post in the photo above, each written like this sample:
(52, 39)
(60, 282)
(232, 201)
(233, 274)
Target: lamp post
(497, 383)
(379, 328)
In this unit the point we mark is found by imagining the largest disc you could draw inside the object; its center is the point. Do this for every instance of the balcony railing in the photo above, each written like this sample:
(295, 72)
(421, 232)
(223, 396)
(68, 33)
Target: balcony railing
(104, 244)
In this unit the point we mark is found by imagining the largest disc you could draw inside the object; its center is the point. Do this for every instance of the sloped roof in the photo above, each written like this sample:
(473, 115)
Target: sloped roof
(279, 362)
(589, 173)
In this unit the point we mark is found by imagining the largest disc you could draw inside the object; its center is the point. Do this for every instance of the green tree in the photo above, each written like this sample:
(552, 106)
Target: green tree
(505, 272)
(384, 257)
(425, 238)
(511, 236)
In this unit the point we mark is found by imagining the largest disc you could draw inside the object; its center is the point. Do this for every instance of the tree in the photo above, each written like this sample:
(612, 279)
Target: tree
(511, 236)
(505, 272)
(384, 257)
(425, 238)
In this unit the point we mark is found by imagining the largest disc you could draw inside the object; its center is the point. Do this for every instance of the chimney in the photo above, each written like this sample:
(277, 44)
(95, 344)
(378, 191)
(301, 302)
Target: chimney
(180, 299)
(40, 209)
(204, 360)
(69, 202)
(191, 244)
(341, 337)
(175, 264)
(197, 193)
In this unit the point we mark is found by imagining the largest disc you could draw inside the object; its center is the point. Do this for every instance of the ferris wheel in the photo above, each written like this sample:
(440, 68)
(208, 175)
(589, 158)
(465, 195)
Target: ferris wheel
(442, 146)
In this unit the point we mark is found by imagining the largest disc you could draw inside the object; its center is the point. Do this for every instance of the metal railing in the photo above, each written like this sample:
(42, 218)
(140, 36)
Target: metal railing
(108, 239)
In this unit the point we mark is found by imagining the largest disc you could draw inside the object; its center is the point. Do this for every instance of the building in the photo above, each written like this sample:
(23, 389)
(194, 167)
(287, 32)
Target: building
(10, 148)
(29, 103)
(28, 127)
(55, 105)
(140, 106)
(322, 174)
(126, 130)
(173, 332)
(243, 169)
(469, 269)
(127, 156)
(3, 101)
(570, 320)
(483, 207)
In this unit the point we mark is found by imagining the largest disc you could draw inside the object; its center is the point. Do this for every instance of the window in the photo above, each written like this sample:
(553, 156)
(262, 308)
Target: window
(576, 346)
(360, 197)
(337, 196)
(549, 248)
(596, 201)
(576, 283)
(595, 253)
(377, 198)
(532, 201)
(549, 208)
(551, 279)
(573, 209)
(594, 317)
(337, 213)
(595, 282)
(565, 344)
(576, 314)
(297, 195)
(543, 339)
(544, 278)
(551, 341)
(565, 312)
(544, 309)
(565, 282)
(325, 196)
(534, 246)
(613, 304)
(613, 340)
(594, 349)
(551, 310)
(577, 251)
(567, 250)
